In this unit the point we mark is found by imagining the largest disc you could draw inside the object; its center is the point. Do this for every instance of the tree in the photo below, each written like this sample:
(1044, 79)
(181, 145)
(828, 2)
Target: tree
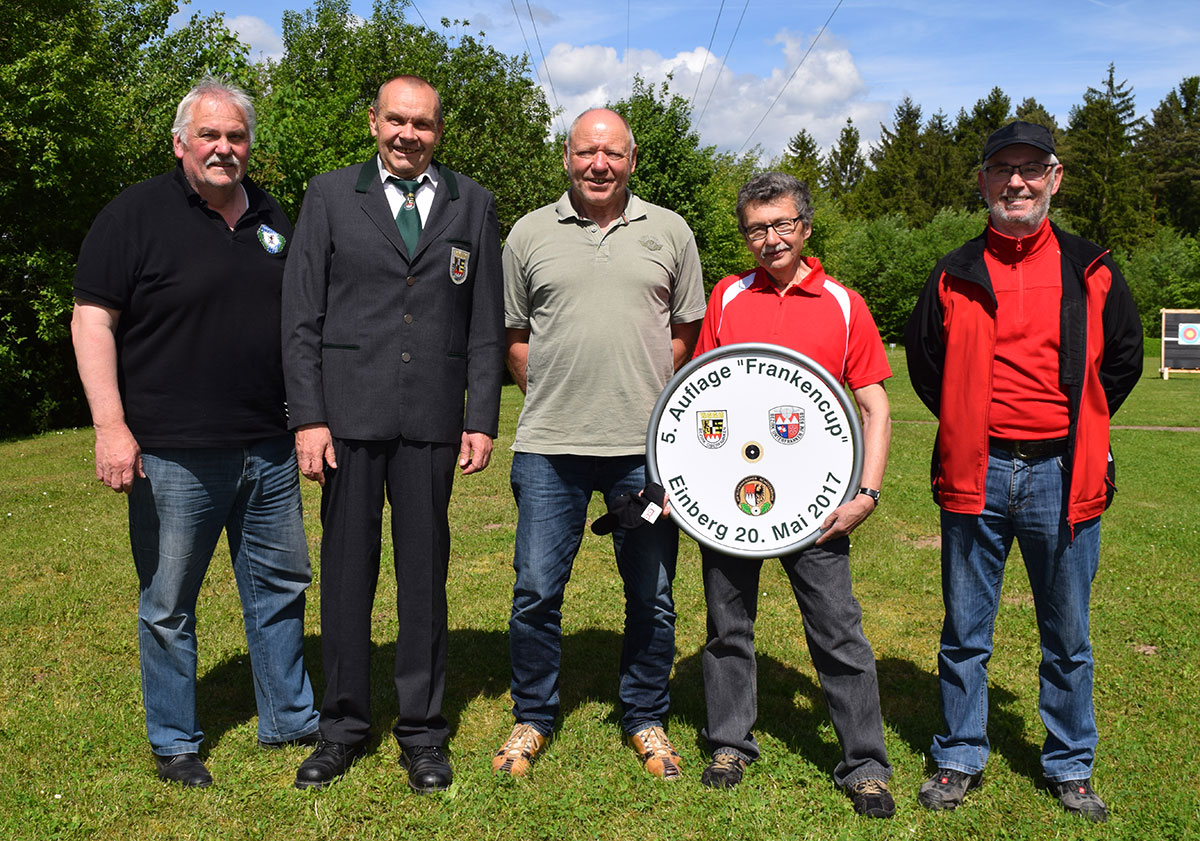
(845, 164)
(802, 158)
(940, 167)
(315, 114)
(1170, 147)
(89, 90)
(1103, 194)
(673, 169)
(892, 183)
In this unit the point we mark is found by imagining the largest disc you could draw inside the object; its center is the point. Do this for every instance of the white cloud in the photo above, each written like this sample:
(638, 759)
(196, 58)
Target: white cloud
(826, 90)
(262, 38)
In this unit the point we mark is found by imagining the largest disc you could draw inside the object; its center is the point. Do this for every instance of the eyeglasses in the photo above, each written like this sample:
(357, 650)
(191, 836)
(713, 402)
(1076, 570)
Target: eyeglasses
(1031, 171)
(783, 227)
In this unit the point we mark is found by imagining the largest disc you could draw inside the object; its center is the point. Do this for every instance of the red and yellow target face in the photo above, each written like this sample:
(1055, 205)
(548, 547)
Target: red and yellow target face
(1189, 333)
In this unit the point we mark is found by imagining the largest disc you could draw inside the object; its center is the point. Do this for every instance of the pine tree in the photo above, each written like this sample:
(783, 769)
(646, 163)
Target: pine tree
(1170, 149)
(844, 165)
(1103, 194)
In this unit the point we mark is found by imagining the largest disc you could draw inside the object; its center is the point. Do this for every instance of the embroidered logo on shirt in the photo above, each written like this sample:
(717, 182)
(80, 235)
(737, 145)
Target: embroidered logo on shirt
(272, 241)
(460, 260)
(651, 244)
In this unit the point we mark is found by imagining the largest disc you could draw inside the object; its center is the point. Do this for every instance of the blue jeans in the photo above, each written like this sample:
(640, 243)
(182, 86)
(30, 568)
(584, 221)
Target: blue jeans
(841, 655)
(176, 514)
(552, 494)
(1025, 500)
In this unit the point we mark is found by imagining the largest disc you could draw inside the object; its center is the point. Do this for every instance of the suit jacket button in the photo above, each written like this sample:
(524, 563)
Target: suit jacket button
(408, 318)
(411, 280)
(406, 356)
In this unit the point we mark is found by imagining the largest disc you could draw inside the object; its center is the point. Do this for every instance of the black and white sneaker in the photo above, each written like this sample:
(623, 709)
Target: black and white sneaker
(1078, 798)
(947, 788)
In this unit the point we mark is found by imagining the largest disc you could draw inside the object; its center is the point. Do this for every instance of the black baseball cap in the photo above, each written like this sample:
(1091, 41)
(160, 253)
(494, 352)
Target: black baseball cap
(1016, 132)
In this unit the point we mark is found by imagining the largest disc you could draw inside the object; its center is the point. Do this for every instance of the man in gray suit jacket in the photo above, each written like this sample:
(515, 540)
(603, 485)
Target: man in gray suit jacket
(392, 309)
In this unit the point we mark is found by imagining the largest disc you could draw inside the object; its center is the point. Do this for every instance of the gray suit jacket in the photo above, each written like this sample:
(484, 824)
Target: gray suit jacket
(381, 345)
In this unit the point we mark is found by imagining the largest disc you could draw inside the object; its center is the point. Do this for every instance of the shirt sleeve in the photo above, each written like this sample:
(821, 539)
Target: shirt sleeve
(866, 359)
(516, 287)
(106, 271)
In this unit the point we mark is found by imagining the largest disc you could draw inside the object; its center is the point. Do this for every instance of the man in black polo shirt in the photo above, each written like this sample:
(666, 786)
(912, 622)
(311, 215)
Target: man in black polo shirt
(176, 333)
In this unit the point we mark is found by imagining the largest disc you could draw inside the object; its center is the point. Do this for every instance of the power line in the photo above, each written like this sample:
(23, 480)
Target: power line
(545, 64)
(707, 53)
(418, 11)
(529, 52)
(793, 76)
(728, 50)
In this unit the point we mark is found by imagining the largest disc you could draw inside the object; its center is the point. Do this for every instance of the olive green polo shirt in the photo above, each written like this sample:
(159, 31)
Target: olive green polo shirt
(599, 306)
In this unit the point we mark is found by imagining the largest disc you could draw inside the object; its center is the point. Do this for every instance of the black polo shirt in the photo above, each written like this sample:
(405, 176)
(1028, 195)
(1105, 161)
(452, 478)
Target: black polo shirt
(198, 346)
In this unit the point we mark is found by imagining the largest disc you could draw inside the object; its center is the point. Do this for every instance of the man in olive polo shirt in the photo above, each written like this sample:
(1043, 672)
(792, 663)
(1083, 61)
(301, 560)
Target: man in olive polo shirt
(603, 301)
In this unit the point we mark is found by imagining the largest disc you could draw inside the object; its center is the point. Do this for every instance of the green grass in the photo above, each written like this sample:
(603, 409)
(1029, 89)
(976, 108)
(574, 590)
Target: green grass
(74, 762)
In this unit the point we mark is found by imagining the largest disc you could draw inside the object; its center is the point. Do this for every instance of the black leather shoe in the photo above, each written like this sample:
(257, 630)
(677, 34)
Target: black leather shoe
(306, 740)
(428, 768)
(183, 768)
(327, 764)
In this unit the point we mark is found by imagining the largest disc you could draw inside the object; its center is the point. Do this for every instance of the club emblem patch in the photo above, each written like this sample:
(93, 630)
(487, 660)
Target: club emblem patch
(410, 201)
(754, 495)
(271, 240)
(786, 424)
(460, 260)
(712, 428)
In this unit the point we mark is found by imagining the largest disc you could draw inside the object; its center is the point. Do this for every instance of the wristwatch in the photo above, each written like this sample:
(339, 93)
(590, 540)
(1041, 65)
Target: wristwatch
(871, 492)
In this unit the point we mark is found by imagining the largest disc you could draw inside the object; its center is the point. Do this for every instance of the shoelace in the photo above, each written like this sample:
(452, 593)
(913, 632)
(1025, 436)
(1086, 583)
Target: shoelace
(727, 761)
(522, 742)
(655, 740)
(870, 787)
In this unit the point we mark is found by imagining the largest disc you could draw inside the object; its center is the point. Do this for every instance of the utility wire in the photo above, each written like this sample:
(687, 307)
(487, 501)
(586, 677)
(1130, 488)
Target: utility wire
(707, 53)
(418, 11)
(793, 76)
(545, 65)
(728, 50)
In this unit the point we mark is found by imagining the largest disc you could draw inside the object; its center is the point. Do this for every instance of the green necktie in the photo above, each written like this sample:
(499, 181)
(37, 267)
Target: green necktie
(408, 219)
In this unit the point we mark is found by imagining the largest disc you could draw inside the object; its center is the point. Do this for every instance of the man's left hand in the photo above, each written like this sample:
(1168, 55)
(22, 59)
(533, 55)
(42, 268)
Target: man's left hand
(475, 453)
(846, 518)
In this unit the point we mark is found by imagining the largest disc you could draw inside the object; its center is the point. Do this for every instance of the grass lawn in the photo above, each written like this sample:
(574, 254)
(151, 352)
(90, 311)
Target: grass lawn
(74, 762)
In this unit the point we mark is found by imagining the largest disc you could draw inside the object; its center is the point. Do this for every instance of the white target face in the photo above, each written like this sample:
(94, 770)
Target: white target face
(755, 444)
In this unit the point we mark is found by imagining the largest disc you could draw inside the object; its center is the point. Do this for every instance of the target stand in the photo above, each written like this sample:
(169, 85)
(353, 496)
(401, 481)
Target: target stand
(755, 444)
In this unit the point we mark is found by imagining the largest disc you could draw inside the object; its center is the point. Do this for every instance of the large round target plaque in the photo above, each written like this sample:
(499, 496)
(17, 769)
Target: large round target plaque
(755, 444)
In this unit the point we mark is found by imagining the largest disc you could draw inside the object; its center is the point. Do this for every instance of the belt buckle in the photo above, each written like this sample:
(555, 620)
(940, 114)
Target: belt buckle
(1020, 452)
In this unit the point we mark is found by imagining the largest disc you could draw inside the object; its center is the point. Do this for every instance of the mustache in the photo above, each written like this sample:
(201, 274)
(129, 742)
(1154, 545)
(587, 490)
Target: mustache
(217, 158)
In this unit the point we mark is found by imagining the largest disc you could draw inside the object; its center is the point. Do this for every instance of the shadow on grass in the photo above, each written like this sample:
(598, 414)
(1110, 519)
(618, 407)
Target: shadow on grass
(478, 664)
(909, 699)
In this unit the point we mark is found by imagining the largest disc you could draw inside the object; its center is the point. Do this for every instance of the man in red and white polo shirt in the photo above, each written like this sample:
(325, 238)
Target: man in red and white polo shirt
(789, 300)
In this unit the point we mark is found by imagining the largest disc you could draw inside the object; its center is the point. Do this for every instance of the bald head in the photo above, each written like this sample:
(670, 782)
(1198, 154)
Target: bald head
(599, 155)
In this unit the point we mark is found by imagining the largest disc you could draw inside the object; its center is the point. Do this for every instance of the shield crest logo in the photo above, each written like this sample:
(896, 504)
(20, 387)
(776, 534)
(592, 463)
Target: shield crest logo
(754, 496)
(786, 424)
(270, 239)
(712, 428)
(460, 260)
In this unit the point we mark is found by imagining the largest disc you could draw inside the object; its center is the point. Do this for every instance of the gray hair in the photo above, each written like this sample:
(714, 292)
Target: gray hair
(575, 122)
(768, 187)
(212, 87)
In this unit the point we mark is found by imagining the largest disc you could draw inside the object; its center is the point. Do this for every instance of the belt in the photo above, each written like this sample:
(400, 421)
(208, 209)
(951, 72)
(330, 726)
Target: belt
(1027, 450)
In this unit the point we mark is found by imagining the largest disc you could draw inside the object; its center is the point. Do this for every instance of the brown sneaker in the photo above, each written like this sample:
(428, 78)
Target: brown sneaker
(656, 752)
(518, 751)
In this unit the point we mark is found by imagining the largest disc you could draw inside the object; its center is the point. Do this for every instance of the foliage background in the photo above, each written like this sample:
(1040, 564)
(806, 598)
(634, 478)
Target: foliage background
(88, 90)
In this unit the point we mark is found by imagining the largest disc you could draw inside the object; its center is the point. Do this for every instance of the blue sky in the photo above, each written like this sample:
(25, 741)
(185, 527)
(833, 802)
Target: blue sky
(945, 54)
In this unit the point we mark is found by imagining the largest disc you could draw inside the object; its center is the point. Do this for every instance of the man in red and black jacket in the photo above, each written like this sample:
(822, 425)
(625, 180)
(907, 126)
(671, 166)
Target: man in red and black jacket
(1023, 342)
